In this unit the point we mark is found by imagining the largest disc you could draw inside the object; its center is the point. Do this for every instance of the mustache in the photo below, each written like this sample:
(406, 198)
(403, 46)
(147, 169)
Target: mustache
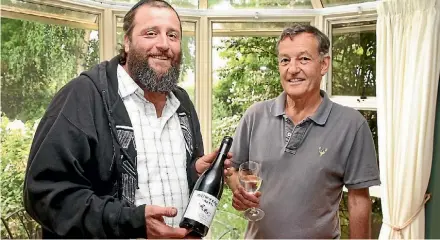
(176, 60)
(159, 55)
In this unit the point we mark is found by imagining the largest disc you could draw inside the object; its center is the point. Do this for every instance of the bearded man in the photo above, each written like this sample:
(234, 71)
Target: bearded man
(119, 148)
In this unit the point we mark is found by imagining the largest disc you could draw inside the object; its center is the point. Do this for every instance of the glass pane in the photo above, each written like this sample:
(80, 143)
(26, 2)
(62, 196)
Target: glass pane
(230, 4)
(119, 33)
(330, 3)
(354, 59)
(37, 60)
(46, 10)
(187, 75)
(193, 4)
(245, 71)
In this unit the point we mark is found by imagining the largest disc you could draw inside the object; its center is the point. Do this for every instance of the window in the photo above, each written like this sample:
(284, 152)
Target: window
(354, 59)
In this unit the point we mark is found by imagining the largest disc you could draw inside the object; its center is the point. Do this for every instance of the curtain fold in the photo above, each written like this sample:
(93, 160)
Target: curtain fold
(407, 77)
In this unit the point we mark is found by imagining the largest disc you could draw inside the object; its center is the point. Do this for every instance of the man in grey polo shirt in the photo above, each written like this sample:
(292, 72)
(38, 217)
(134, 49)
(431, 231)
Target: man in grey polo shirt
(309, 148)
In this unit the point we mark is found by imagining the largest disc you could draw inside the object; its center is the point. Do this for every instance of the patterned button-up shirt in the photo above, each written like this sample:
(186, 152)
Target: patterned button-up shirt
(160, 146)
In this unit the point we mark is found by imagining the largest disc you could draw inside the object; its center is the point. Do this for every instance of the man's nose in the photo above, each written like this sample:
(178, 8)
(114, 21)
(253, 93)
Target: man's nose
(293, 67)
(163, 43)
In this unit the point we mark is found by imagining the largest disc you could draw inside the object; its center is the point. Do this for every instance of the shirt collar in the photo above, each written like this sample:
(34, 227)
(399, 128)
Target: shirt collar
(319, 117)
(127, 85)
(173, 101)
(278, 105)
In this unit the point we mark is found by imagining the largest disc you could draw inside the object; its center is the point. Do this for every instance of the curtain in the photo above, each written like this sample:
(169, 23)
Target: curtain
(407, 77)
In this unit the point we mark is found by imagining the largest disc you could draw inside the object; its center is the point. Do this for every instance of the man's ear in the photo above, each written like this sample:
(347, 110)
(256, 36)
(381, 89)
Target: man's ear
(325, 63)
(126, 43)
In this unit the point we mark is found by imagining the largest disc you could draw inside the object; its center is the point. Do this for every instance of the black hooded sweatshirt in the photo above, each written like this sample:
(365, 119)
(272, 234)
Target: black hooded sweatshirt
(81, 174)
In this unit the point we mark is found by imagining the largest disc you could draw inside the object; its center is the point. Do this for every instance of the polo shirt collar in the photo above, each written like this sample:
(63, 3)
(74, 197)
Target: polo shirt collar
(319, 117)
(278, 105)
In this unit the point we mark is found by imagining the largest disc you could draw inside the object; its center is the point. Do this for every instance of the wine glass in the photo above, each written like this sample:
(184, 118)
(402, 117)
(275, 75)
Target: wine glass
(250, 178)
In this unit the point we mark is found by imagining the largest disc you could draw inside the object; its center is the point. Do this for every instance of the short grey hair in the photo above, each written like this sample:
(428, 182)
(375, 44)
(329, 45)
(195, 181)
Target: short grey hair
(291, 32)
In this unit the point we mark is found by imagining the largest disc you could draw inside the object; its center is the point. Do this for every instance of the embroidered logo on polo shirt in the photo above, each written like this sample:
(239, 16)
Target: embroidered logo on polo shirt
(322, 151)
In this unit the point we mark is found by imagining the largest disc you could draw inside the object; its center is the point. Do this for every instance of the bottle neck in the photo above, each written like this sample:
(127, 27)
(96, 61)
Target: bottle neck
(219, 162)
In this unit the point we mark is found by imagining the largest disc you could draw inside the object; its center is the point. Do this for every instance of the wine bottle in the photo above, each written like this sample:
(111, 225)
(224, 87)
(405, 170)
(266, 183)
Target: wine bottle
(206, 194)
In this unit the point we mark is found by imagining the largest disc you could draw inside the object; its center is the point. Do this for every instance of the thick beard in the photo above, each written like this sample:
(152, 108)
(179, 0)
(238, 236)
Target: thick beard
(145, 75)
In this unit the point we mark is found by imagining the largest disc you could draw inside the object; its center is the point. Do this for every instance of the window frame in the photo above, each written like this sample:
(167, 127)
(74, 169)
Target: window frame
(370, 102)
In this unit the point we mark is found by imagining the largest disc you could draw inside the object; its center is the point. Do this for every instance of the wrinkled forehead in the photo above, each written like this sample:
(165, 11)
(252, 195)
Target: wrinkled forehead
(300, 43)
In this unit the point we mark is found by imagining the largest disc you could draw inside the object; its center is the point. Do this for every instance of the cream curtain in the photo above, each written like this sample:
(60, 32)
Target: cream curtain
(407, 69)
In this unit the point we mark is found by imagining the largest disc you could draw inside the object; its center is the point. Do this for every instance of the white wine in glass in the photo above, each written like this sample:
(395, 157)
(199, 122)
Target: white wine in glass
(249, 177)
(251, 183)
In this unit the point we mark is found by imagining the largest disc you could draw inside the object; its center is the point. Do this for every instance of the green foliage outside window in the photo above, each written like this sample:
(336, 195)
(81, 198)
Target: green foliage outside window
(354, 64)
(251, 75)
(37, 59)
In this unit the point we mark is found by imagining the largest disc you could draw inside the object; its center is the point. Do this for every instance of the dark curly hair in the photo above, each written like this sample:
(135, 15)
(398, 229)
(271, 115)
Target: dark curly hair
(129, 22)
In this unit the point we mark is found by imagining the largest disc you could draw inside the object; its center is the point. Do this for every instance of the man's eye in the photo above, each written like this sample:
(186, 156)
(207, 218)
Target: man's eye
(150, 33)
(304, 60)
(173, 35)
(284, 60)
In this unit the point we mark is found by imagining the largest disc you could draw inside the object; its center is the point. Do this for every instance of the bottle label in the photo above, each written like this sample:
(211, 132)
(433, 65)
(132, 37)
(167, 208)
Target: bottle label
(201, 208)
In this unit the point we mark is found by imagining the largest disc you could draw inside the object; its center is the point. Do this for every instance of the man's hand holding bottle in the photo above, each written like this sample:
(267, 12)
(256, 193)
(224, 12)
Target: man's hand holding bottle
(205, 162)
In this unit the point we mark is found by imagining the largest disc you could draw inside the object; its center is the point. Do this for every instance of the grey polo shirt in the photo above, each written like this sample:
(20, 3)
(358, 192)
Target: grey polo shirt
(305, 167)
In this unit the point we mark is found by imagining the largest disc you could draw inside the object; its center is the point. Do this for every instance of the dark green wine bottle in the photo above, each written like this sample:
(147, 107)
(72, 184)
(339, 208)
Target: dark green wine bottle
(206, 194)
